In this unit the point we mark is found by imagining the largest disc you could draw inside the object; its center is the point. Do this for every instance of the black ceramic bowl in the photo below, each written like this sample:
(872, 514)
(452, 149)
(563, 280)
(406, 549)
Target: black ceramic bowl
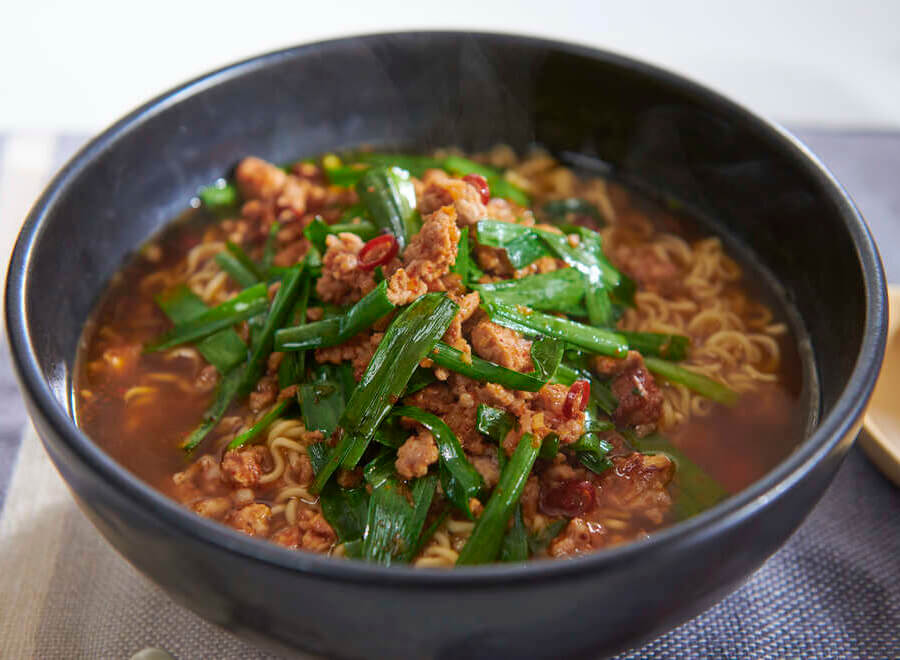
(425, 90)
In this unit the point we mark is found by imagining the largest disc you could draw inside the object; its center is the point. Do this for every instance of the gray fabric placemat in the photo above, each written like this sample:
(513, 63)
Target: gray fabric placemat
(832, 591)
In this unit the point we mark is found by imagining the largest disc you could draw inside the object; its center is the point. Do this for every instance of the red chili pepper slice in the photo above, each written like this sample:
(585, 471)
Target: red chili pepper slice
(481, 185)
(577, 398)
(377, 252)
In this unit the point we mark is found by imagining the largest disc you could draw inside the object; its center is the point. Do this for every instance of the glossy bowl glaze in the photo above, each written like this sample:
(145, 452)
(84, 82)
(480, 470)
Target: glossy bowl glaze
(424, 90)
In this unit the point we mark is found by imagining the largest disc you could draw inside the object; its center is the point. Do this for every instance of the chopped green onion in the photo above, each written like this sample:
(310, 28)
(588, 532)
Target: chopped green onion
(549, 447)
(260, 426)
(269, 247)
(331, 332)
(281, 306)
(236, 269)
(546, 354)
(591, 451)
(596, 340)
(393, 526)
(484, 543)
(292, 369)
(345, 509)
(693, 381)
(420, 379)
(515, 543)
(667, 346)
(553, 291)
(238, 253)
(322, 401)
(380, 468)
(224, 349)
(537, 543)
(219, 196)
(495, 423)
(225, 392)
(246, 304)
(407, 341)
(459, 478)
(390, 197)
(522, 245)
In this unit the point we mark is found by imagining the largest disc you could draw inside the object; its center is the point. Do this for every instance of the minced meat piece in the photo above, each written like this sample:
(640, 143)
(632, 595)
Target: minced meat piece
(207, 379)
(343, 281)
(265, 395)
(403, 289)
(644, 265)
(212, 507)
(640, 399)
(487, 467)
(468, 304)
(244, 467)
(311, 533)
(442, 190)
(501, 345)
(257, 179)
(416, 454)
(202, 477)
(316, 535)
(358, 350)
(574, 540)
(252, 519)
(638, 483)
(433, 250)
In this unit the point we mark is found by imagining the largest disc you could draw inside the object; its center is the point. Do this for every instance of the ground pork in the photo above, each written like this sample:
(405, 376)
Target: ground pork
(274, 195)
(644, 265)
(468, 304)
(265, 393)
(252, 519)
(416, 454)
(440, 189)
(631, 498)
(433, 250)
(640, 399)
(291, 253)
(343, 281)
(202, 477)
(487, 467)
(311, 533)
(358, 350)
(574, 540)
(212, 507)
(493, 262)
(403, 289)
(638, 483)
(501, 345)
(244, 467)
(207, 379)
(257, 179)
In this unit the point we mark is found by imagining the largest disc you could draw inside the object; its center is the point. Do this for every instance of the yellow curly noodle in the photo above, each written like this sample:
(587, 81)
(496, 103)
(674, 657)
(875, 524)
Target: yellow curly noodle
(733, 341)
(442, 550)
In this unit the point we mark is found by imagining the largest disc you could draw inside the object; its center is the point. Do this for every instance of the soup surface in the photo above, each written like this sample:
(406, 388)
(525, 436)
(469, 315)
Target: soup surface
(438, 361)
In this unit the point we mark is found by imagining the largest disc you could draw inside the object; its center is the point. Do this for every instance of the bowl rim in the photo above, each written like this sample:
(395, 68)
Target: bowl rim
(842, 421)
